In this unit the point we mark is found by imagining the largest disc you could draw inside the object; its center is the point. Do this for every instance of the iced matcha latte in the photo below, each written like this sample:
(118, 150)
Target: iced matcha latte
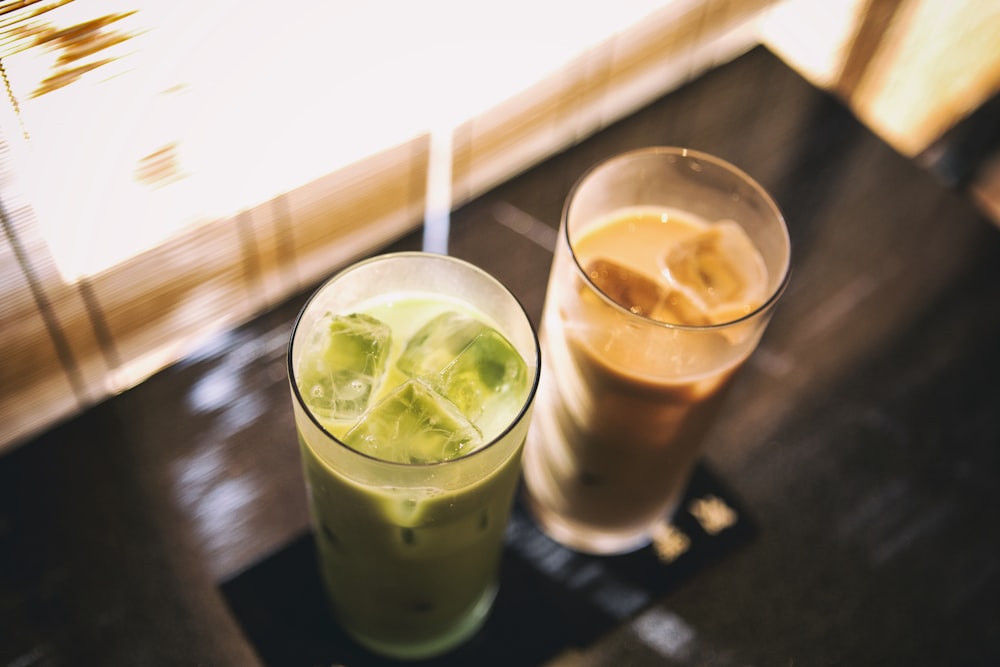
(412, 379)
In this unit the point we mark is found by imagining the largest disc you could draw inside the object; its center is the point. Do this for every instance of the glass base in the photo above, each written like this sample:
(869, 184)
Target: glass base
(582, 537)
(466, 627)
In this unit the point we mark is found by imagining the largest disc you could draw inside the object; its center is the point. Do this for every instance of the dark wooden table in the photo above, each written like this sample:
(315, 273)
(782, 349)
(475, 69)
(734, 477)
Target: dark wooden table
(862, 446)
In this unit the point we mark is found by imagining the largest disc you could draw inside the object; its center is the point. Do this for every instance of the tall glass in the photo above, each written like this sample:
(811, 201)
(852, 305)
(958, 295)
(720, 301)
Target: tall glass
(655, 299)
(409, 551)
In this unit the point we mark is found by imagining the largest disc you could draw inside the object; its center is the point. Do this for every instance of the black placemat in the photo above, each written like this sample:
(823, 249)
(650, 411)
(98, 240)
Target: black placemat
(550, 598)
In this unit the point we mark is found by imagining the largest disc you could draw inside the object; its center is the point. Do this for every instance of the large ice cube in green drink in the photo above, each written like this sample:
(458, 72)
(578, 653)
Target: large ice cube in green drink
(343, 363)
(488, 382)
(437, 343)
(472, 365)
(414, 424)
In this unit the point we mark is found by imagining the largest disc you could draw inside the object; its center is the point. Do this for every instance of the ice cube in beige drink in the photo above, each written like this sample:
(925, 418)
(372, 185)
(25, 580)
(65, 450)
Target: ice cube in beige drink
(625, 401)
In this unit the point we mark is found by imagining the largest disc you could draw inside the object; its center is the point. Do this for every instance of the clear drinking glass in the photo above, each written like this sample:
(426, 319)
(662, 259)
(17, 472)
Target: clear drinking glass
(409, 549)
(668, 268)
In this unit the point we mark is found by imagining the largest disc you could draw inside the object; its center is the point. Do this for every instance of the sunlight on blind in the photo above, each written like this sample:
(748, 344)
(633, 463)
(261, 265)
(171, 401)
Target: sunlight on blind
(169, 169)
(186, 111)
(909, 69)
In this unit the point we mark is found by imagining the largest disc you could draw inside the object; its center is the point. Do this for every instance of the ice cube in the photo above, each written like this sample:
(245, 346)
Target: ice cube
(343, 364)
(488, 381)
(643, 295)
(414, 424)
(675, 307)
(437, 343)
(472, 365)
(719, 269)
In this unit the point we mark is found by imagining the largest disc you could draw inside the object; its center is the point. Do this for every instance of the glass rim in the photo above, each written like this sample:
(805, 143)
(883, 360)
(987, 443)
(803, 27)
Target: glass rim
(517, 419)
(765, 196)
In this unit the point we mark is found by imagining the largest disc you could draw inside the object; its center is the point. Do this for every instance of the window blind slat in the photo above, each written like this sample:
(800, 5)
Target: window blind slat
(40, 378)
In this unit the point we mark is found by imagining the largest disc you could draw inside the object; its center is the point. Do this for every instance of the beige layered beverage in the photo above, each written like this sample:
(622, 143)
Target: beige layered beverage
(652, 307)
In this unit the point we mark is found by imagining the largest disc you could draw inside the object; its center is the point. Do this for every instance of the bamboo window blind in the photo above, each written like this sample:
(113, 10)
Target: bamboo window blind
(170, 169)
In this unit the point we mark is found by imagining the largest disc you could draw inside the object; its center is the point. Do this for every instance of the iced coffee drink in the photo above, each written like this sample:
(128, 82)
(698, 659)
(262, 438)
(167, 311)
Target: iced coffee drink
(413, 377)
(669, 265)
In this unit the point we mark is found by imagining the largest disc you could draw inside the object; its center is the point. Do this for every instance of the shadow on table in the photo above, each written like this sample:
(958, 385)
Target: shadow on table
(550, 599)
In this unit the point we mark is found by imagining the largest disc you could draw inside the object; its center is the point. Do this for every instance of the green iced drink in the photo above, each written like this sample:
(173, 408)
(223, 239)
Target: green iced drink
(412, 378)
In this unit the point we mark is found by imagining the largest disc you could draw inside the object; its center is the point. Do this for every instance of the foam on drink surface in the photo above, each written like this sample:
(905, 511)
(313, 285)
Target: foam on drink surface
(428, 380)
